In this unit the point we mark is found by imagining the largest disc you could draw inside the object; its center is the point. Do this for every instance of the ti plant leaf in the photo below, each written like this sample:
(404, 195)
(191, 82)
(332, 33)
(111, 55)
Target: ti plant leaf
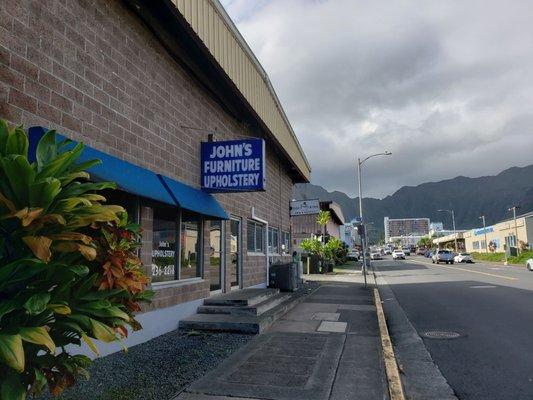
(12, 352)
(12, 388)
(37, 303)
(38, 335)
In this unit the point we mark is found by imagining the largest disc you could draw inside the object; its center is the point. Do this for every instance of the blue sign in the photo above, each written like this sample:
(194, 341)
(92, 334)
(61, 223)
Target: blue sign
(482, 231)
(233, 166)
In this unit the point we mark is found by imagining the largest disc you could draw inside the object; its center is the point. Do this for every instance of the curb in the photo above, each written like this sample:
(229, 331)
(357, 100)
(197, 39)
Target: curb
(412, 354)
(391, 366)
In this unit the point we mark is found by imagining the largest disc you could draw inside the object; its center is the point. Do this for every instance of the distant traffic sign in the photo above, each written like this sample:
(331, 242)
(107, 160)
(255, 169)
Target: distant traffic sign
(304, 207)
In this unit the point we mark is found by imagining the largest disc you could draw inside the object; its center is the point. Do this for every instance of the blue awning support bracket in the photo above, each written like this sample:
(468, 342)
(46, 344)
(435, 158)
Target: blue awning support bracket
(128, 177)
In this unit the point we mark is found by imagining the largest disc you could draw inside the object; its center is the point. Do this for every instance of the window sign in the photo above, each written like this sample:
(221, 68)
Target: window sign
(163, 249)
(233, 166)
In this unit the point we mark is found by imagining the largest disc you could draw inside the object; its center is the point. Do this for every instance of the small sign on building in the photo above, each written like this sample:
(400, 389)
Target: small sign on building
(233, 166)
(303, 207)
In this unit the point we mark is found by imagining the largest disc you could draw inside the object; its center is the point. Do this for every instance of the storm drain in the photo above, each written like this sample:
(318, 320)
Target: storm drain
(442, 335)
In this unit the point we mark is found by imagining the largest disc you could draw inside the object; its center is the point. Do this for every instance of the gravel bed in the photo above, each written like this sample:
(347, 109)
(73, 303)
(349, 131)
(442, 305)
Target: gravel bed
(157, 369)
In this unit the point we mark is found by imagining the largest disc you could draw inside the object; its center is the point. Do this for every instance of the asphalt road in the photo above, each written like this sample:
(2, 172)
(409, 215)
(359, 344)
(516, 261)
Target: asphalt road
(490, 306)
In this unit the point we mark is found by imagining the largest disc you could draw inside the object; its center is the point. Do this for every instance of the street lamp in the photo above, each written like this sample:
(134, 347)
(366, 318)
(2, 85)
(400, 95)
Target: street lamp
(485, 232)
(454, 231)
(359, 164)
(513, 209)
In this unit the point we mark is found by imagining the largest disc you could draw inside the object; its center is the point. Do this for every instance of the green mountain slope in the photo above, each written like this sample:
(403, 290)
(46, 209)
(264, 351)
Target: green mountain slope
(469, 197)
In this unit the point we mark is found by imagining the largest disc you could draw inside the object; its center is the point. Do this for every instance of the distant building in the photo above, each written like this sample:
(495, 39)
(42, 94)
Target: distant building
(502, 235)
(304, 226)
(436, 226)
(349, 234)
(436, 229)
(447, 241)
(406, 230)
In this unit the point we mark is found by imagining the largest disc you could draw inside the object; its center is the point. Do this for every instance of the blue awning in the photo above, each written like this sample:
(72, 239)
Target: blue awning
(193, 199)
(140, 181)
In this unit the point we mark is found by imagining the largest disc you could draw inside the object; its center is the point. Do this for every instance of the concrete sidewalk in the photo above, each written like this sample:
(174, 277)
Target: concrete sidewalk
(326, 348)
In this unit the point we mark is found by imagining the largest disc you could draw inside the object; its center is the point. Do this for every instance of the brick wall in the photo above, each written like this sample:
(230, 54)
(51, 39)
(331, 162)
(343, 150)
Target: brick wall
(93, 71)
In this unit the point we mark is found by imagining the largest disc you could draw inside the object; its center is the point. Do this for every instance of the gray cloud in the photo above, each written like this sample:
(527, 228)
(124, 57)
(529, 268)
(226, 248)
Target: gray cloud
(446, 86)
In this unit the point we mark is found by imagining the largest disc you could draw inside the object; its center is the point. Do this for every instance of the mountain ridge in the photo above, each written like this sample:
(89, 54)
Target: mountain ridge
(490, 195)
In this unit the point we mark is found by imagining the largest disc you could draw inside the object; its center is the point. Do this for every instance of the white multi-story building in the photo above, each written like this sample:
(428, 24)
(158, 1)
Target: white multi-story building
(406, 230)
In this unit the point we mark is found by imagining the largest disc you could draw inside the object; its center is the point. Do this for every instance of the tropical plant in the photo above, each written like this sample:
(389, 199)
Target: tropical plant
(323, 218)
(426, 242)
(313, 246)
(339, 251)
(68, 268)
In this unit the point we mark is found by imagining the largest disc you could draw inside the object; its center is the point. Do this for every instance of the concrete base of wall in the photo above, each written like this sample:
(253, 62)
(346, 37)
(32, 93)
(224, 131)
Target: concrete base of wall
(155, 323)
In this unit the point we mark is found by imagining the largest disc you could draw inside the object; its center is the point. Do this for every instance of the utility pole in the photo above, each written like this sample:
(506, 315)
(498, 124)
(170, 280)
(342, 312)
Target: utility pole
(485, 232)
(363, 244)
(514, 208)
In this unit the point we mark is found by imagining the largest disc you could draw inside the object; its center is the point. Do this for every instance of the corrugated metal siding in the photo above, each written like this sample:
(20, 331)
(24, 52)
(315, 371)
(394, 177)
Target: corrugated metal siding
(218, 37)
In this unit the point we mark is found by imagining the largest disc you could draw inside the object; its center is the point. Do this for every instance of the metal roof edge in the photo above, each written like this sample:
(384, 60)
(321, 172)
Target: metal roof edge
(242, 42)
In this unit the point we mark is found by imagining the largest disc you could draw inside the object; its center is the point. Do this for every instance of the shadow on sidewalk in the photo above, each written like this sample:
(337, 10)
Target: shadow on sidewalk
(327, 347)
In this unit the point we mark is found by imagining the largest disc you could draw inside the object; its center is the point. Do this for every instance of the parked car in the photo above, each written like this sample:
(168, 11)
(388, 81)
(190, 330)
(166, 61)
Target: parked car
(353, 255)
(463, 258)
(388, 252)
(375, 255)
(445, 256)
(421, 251)
(407, 251)
(398, 255)
(529, 264)
(428, 254)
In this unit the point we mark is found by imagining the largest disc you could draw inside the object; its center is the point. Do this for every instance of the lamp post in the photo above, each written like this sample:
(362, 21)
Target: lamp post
(359, 164)
(454, 231)
(485, 232)
(513, 209)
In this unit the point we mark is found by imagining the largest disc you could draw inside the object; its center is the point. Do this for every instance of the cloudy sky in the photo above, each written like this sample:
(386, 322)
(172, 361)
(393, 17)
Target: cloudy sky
(447, 86)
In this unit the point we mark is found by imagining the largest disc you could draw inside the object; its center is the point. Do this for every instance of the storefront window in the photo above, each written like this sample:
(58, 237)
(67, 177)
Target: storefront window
(215, 249)
(255, 237)
(190, 249)
(164, 246)
(273, 240)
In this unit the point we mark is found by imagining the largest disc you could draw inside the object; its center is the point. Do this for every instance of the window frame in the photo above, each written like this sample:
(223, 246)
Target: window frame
(178, 222)
(256, 225)
(199, 256)
(273, 248)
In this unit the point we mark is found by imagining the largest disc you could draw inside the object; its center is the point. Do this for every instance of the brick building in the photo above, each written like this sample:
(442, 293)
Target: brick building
(305, 226)
(144, 83)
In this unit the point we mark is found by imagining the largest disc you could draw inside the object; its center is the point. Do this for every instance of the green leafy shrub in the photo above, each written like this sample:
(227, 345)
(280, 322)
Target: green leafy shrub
(496, 257)
(68, 268)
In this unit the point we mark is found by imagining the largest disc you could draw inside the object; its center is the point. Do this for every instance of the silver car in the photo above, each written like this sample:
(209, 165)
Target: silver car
(445, 256)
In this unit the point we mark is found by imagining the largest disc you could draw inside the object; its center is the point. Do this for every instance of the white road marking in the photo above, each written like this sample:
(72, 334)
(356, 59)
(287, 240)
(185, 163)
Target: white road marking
(482, 287)
(469, 270)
